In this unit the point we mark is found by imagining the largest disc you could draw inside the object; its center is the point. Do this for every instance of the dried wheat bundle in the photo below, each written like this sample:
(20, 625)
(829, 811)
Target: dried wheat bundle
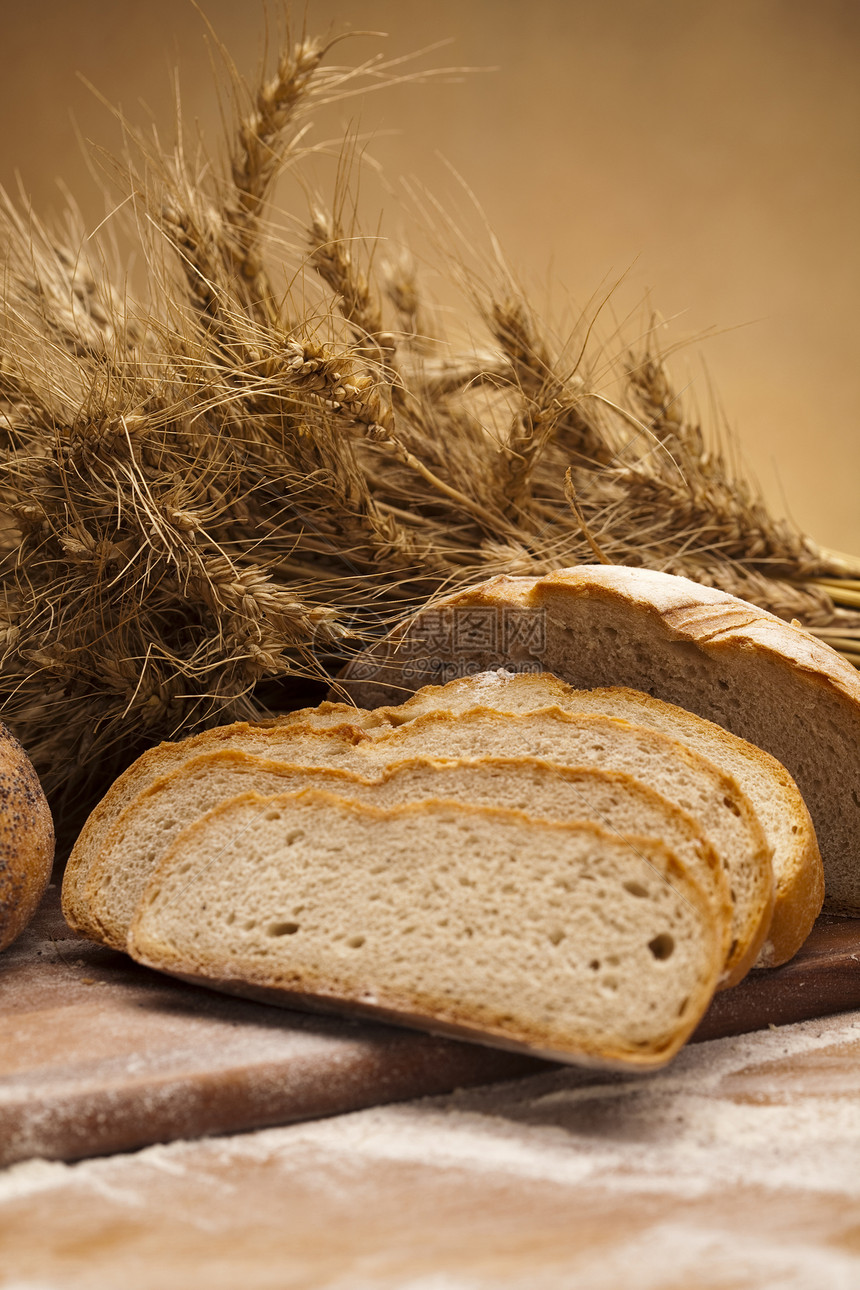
(227, 485)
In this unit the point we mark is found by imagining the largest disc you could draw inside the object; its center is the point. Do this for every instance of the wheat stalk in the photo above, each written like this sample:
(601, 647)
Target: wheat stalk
(212, 493)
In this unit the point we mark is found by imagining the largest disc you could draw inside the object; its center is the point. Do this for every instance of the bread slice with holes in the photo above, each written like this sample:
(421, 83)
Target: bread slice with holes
(684, 777)
(159, 761)
(689, 782)
(776, 799)
(561, 940)
(149, 826)
(771, 683)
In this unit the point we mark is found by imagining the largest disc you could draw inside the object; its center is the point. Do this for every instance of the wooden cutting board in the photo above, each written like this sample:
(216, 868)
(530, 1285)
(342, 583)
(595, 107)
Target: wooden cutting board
(100, 1055)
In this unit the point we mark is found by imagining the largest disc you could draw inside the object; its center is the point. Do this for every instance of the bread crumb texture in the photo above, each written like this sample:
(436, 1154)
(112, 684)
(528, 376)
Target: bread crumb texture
(560, 938)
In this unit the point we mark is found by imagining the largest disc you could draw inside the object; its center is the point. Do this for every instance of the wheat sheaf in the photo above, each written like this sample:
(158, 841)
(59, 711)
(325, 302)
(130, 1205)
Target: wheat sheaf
(225, 485)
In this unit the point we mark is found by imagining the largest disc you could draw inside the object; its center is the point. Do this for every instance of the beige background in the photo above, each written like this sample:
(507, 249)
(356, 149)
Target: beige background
(707, 149)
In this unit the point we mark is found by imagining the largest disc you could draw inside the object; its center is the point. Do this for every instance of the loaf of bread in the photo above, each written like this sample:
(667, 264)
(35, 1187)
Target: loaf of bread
(528, 856)
(797, 868)
(559, 939)
(772, 684)
(148, 828)
(26, 839)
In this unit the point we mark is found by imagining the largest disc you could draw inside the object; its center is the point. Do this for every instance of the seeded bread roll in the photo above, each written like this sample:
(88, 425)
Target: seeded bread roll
(557, 939)
(797, 867)
(722, 658)
(148, 827)
(26, 839)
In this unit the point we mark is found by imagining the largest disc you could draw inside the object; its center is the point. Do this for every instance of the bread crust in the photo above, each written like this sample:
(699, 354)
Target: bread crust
(26, 839)
(711, 619)
(691, 612)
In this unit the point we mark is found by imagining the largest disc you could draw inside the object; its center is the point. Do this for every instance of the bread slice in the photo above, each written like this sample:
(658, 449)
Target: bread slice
(158, 761)
(148, 828)
(797, 868)
(557, 939)
(721, 812)
(683, 777)
(722, 658)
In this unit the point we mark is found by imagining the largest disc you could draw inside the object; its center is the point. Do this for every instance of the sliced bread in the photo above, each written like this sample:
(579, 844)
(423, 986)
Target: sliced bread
(797, 868)
(148, 828)
(675, 771)
(282, 737)
(158, 761)
(558, 939)
(724, 659)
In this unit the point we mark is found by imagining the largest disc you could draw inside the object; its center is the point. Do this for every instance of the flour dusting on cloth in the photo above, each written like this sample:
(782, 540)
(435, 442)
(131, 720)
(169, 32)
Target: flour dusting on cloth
(719, 1116)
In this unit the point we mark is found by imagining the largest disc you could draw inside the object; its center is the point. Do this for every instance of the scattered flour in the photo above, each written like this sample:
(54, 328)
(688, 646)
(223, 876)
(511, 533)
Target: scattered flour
(492, 679)
(702, 1258)
(685, 1132)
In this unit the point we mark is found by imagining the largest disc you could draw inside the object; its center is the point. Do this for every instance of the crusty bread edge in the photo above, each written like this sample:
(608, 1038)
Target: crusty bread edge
(303, 1001)
(711, 619)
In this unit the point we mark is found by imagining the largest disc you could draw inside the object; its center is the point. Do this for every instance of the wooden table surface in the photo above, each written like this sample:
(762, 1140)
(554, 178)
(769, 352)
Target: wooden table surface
(739, 1166)
(100, 1056)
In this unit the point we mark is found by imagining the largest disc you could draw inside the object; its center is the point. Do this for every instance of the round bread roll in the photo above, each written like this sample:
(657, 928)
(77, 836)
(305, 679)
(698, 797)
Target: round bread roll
(26, 839)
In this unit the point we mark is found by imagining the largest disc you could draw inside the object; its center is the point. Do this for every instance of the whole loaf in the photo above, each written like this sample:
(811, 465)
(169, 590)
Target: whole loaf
(594, 626)
(26, 839)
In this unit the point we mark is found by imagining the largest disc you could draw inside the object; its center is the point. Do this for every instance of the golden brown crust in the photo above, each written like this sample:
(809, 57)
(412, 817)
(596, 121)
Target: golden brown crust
(711, 619)
(26, 839)
(95, 829)
(404, 1014)
(799, 899)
